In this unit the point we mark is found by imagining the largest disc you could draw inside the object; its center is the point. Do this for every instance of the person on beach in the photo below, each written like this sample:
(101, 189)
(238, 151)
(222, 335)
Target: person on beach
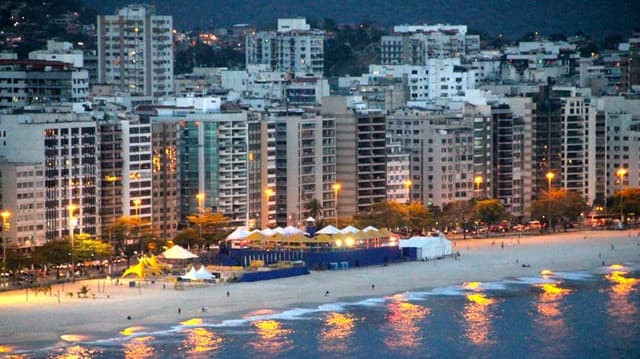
(502, 244)
(373, 286)
(326, 294)
(179, 311)
(228, 293)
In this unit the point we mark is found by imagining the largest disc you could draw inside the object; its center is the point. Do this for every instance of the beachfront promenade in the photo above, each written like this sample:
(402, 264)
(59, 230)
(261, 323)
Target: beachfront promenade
(27, 318)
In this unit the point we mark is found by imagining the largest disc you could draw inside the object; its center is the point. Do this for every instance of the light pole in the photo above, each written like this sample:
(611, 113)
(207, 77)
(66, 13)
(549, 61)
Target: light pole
(112, 180)
(73, 222)
(407, 186)
(549, 176)
(621, 173)
(268, 192)
(336, 188)
(5, 229)
(136, 207)
(478, 181)
(200, 197)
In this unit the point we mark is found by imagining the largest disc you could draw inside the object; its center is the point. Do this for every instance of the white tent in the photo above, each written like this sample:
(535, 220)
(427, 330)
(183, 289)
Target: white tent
(310, 219)
(203, 274)
(370, 229)
(239, 233)
(278, 230)
(177, 252)
(350, 229)
(290, 231)
(268, 232)
(329, 230)
(428, 247)
(191, 274)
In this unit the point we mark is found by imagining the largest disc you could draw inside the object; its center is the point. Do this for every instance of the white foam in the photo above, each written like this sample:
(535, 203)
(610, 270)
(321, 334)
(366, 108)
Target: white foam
(291, 314)
(532, 280)
(457, 290)
(332, 307)
(370, 302)
(573, 275)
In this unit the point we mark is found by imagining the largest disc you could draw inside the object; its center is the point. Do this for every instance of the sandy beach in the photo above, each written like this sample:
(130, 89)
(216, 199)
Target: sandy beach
(38, 320)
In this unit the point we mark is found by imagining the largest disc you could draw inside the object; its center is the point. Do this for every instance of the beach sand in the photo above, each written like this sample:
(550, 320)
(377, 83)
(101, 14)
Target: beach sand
(43, 320)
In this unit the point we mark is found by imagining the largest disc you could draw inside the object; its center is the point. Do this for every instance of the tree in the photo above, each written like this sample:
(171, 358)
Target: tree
(625, 201)
(491, 212)
(558, 206)
(314, 208)
(457, 214)
(212, 225)
(91, 249)
(53, 253)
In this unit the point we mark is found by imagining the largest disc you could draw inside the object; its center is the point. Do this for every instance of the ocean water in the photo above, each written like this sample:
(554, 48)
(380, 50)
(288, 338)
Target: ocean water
(591, 314)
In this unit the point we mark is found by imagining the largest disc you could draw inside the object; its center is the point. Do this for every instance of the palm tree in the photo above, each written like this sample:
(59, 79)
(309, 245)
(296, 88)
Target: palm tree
(314, 208)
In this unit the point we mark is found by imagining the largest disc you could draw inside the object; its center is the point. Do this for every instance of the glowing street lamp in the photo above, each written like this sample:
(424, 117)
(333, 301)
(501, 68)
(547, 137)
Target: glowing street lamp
(336, 188)
(550, 175)
(407, 186)
(5, 228)
(200, 197)
(621, 173)
(478, 182)
(268, 192)
(73, 222)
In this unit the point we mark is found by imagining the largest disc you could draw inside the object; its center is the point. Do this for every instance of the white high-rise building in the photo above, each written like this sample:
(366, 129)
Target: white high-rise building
(294, 47)
(135, 51)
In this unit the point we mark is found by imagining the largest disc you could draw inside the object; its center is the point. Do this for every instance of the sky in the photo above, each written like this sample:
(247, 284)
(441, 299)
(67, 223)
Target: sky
(513, 18)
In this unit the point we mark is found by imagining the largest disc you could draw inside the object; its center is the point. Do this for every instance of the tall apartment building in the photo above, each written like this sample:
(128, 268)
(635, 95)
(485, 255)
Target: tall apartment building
(416, 44)
(399, 180)
(305, 159)
(293, 47)
(360, 156)
(26, 82)
(135, 51)
(212, 159)
(22, 194)
(262, 189)
(441, 147)
(61, 156)
(565, 140)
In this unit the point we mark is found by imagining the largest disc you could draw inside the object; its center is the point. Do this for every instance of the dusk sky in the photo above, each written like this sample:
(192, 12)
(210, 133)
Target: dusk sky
(597, 18)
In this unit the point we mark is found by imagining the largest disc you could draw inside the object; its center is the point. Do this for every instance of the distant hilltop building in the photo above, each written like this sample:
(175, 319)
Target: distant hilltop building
(294, 47)
(415, 44)
(135, 51)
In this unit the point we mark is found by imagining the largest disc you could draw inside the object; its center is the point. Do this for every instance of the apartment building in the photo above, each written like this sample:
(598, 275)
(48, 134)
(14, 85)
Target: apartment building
(135, 51)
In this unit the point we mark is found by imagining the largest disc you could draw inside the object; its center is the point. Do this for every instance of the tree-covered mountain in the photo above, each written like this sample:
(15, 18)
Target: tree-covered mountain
(597, 18)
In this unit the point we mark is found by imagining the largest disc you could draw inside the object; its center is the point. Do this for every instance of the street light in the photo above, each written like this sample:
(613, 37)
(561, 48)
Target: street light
(550, 175)
(621, 173)
(200, 197)
(268, 192)
(478, 181)
(5, 229)
(336, 188)
(73, 222)
(407, 186)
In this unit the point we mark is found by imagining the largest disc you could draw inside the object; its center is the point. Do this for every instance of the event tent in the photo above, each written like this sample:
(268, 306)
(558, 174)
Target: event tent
(177, 252)
(428, 247)
(239, 233)
(291, 231)
(350, 229)
(329, 230)
(204, 274)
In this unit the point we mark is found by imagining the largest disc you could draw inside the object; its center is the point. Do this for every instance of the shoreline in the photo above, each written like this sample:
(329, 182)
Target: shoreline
(42, 320)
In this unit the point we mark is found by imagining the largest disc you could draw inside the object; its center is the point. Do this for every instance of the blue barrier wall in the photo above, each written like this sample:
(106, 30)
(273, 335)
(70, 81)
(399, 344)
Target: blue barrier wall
(314, 260)
(273, 274)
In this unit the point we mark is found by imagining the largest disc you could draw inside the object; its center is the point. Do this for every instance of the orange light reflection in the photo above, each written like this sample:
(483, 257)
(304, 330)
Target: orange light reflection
(619, 306)
(272, 338)
(77, 351)
(478, 318)
(403, 328)
(334, 336)
(548, 307)
(131, 330)
(200, 340)
(139, 348)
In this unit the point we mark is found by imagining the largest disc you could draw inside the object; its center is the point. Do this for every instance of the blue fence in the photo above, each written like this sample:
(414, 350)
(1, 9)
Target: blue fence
(314, 260)
(273, 274)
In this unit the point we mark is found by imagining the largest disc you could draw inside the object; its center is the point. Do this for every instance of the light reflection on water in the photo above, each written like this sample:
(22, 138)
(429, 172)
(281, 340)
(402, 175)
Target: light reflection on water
(200, 340)
(619, 306)
(139, 348)
(76, 351)
(478, 318)
(549, 308)
(403, 325)
(335, 335)
(271, 339)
